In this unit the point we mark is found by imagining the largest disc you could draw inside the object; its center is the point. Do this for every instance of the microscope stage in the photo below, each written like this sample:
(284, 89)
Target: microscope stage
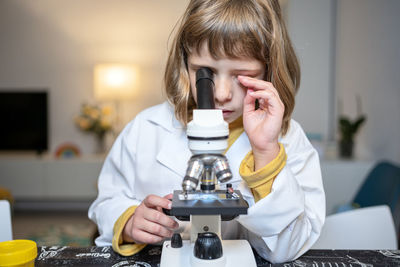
(215, 203)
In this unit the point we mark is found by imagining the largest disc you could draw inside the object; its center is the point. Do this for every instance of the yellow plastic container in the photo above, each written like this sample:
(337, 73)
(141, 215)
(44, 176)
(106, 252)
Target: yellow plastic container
(18, 253)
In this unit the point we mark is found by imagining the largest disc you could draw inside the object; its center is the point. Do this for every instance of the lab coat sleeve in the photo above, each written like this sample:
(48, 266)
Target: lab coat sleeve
(115, 185)
(286, 223)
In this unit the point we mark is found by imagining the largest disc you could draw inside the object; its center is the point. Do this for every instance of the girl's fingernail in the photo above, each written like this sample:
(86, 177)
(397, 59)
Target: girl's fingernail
(169, 205)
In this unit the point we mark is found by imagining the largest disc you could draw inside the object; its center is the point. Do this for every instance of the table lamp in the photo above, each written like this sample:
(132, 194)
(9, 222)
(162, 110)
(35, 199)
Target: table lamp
(115, 82)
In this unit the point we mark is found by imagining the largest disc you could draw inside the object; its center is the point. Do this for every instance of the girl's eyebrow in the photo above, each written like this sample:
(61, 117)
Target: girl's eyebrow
(247, 70)
(198, 66)
(194, 65)
(256, 70)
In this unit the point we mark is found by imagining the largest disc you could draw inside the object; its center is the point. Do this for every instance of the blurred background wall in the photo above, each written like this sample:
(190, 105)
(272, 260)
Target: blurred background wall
(346, 48)
(368, 64)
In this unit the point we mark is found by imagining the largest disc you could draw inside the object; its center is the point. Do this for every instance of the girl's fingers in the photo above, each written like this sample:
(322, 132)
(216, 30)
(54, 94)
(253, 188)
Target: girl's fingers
(271, 98)
(155, 229)
(141, 237)
(258, 89)
(160, 218)
(169, 196)
(249, 102)
(153, 201)
(257, 84)
(254, 83)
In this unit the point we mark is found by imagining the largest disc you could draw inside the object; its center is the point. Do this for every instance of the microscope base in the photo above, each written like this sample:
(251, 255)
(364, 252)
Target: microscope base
(235, 253)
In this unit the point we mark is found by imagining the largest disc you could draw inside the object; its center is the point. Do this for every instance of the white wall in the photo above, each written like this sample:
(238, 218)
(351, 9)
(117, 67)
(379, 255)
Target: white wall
(55, 44)
(349, 48)
(368, 64)
(310, 27)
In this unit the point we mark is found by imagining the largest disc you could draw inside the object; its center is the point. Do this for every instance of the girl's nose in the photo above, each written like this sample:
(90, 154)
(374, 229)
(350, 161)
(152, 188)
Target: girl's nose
(223, 90)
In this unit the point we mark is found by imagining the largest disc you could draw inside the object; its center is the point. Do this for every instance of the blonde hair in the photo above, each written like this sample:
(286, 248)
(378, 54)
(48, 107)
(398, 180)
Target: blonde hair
(235, 29)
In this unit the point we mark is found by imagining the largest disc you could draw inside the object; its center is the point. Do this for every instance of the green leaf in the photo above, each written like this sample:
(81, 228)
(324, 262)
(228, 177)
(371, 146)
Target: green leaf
(348, 128)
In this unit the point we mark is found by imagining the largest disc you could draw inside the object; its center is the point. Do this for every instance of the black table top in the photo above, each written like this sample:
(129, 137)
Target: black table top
(150, 257)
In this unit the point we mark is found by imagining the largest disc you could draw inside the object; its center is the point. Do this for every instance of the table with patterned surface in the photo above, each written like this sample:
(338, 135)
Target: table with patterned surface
(150, 257)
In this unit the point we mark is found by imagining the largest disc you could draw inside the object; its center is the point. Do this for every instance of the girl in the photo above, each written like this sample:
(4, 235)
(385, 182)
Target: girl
(246, 45)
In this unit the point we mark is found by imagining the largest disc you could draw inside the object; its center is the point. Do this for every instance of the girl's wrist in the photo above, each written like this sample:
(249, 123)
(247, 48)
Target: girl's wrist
(127, 238)
(266, 155)
(126, 232)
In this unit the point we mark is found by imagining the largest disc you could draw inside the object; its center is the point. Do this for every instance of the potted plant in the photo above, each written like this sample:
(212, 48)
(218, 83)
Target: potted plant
(348, 130)
(97, 120)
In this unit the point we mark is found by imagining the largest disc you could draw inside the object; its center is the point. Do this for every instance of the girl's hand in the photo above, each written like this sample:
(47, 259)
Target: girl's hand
(263, 125)
(149, 224)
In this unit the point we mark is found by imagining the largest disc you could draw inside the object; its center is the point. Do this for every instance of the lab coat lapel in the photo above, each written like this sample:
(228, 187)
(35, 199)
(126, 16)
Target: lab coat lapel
(235, 155)
(174, 153)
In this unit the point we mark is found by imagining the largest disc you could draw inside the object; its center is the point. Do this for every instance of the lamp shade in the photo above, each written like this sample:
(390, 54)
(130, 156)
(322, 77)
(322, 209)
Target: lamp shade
(115, 81)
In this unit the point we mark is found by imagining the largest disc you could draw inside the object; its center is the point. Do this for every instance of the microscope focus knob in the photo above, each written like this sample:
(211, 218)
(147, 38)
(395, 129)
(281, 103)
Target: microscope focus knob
(208, 246)
(176, 240)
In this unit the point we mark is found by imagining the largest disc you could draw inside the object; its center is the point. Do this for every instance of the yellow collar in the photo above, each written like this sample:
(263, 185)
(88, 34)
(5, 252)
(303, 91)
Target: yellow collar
(235, 130)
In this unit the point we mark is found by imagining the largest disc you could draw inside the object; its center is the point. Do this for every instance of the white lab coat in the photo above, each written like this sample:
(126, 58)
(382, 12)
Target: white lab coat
(150, 157)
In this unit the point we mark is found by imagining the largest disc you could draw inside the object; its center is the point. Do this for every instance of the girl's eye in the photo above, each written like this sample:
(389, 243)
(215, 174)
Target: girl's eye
(235, 79)
(251, 75)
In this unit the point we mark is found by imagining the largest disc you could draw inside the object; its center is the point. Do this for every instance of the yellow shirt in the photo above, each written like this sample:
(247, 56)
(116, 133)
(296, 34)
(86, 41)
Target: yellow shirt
(260, 183)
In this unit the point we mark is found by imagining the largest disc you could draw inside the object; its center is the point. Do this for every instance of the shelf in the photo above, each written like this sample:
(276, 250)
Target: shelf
(47, 178)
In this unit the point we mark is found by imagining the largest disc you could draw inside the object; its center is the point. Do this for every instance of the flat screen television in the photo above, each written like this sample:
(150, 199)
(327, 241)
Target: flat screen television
(24, 120)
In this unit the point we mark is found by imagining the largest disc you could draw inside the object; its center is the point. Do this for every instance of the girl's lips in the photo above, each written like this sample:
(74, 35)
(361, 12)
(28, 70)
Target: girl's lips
(226, 113)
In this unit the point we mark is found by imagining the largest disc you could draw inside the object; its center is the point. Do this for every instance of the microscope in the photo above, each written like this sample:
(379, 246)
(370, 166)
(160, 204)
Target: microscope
(201, 201)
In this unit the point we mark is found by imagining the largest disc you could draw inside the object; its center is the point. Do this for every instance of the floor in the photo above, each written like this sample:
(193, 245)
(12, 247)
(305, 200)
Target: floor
(52, 228)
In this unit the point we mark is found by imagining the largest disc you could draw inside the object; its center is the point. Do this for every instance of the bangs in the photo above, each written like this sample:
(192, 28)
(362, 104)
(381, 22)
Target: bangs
(229, 29)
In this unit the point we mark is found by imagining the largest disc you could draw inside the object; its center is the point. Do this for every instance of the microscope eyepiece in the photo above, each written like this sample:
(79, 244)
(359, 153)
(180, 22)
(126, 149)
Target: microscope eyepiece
(204, 73)
(205, 89)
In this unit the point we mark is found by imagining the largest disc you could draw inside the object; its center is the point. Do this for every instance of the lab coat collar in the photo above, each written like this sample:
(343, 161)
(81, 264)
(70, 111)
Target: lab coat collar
(164, 117)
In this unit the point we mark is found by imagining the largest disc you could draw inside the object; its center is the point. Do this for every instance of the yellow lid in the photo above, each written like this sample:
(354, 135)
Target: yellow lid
(16, 252)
